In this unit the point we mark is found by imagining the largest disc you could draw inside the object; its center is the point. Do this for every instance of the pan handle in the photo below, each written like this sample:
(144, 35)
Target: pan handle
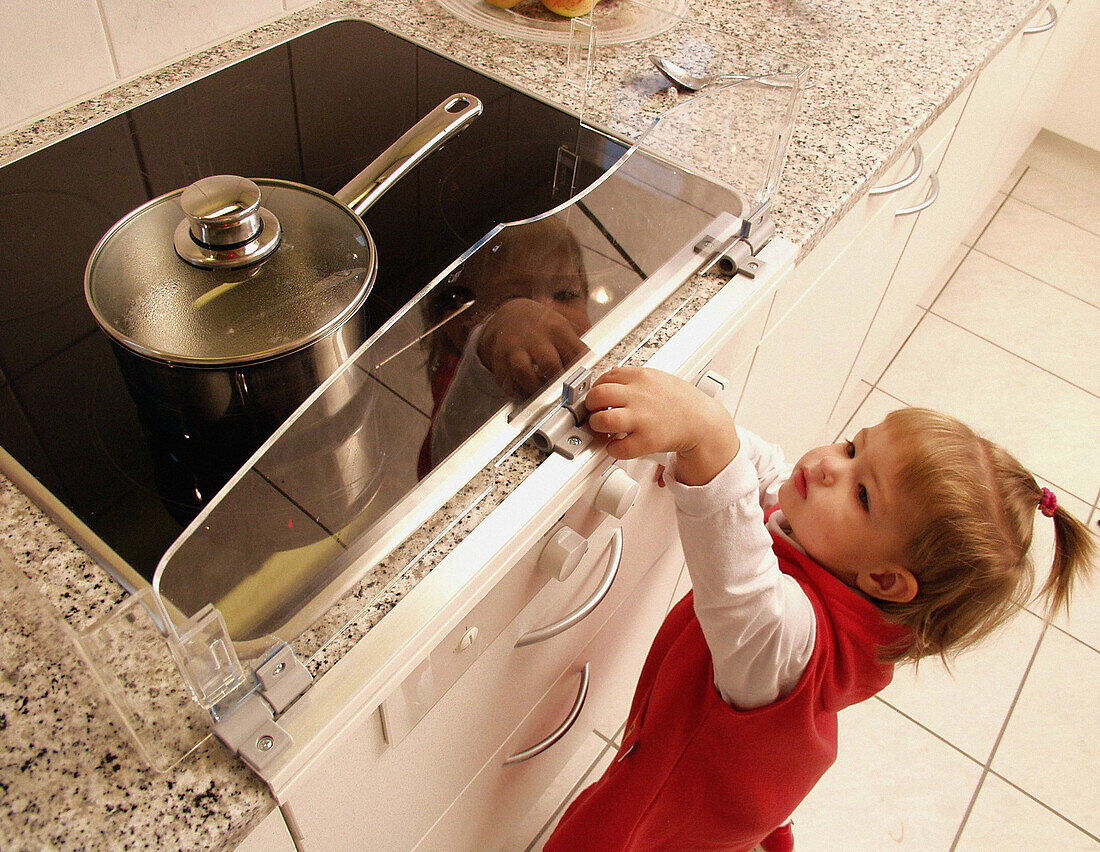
(439, 125)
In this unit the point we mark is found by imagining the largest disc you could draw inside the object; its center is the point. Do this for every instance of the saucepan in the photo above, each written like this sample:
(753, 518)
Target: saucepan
(229, 301)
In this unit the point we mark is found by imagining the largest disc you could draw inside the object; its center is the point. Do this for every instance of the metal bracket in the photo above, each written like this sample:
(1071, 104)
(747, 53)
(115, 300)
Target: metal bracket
(738, 254)
(562, 430)
(248, 727)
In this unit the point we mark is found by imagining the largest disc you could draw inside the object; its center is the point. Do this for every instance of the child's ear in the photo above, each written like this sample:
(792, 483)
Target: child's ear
(893, 583)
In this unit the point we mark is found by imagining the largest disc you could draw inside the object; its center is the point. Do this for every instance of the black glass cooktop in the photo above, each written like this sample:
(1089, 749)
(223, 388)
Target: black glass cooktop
(314, 110)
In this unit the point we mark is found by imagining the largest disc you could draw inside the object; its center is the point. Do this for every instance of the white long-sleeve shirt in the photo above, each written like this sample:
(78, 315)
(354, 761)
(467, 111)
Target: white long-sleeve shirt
(758, 623)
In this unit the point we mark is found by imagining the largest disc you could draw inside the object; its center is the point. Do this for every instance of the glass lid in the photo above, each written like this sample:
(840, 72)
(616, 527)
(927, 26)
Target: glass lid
(306, 536)
(148, 297)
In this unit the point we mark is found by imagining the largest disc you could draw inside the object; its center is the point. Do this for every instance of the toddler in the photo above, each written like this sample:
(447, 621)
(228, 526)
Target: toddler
(808, 584)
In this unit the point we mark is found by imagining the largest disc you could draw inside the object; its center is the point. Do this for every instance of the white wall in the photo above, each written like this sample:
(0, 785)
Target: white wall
(56, 52)
(1075, 113)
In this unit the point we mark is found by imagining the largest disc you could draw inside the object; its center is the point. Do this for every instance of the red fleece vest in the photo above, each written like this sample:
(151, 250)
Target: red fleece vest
(694, 773)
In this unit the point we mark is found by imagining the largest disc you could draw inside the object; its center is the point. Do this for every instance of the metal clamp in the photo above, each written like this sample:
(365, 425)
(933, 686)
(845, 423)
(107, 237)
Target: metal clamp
(738, 253)
(248, 727)
(561, 431)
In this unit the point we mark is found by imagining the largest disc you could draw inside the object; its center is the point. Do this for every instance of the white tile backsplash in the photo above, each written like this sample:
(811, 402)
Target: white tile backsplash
(49, 57)
(53, 54)
(144, 35)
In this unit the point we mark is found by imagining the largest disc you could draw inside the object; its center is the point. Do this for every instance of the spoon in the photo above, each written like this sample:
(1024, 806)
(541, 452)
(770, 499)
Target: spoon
(688, 82)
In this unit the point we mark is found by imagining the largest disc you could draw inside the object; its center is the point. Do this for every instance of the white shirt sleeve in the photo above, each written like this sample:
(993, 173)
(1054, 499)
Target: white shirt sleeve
(758, 623)
(472, 398)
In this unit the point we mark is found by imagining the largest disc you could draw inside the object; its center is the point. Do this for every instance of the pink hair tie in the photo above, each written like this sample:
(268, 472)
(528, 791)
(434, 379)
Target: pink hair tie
(1048, 503)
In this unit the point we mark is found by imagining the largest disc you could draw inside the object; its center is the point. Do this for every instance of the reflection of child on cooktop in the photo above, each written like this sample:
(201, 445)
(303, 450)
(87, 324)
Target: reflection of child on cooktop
(519, 306)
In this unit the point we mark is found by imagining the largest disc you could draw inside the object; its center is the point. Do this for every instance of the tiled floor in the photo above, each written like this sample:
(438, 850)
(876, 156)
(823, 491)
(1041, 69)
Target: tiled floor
(1003, 752)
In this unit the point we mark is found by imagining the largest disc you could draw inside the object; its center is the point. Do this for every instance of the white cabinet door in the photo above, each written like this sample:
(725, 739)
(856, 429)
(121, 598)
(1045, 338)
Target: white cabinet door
(271, 835)
(1071, 43)
(494, 809)
(803, 362)
(826, 305)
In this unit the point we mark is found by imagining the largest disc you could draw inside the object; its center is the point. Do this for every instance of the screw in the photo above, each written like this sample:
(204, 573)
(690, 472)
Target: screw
(279, 669)
(265, 743)
(574, 441)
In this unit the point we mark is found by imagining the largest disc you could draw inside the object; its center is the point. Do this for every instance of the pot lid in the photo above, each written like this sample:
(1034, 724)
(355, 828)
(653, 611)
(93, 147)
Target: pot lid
(230, 271)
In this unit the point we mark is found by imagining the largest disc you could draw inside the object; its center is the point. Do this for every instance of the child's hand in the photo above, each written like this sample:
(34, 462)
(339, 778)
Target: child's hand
(647, 411)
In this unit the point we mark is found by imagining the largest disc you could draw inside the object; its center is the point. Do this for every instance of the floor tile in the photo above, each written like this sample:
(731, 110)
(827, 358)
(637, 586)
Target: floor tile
(1049, 748)
(1049, 425)
(894, 786)
(1007, 820)
(1046, 247)
(1064, 159)
(967, 704)
(1060, 198)
(1040, 323)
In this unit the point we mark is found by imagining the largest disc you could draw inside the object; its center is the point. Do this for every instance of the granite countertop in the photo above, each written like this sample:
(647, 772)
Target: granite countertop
(883, 70)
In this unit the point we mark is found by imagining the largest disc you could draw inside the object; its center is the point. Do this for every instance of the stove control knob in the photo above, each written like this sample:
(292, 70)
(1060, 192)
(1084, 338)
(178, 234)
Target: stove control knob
(562, 553)
(617, 493)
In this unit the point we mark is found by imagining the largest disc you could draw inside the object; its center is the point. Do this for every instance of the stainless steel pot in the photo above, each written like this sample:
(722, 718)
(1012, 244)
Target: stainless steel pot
(231, 300)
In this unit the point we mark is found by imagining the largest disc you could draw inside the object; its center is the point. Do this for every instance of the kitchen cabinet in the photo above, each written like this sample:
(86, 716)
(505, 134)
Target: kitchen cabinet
(838, 317)
(999, 121)
(827, 305)
(509, 698)
(271, 835)
(1073, 113)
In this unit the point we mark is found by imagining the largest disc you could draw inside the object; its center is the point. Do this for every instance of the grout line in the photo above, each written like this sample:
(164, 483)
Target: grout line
(1000, 735)
(1061, 816)
(1008, 351)
(1032, 276)
(1056, 216)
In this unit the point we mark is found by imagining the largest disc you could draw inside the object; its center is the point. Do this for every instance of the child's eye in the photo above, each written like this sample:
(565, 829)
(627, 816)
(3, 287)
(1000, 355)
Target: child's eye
(850, 447)
(566, 295)
(863, 498)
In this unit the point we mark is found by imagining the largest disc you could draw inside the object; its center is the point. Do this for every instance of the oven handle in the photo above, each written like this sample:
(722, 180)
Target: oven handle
(584, 610)
(562, 729)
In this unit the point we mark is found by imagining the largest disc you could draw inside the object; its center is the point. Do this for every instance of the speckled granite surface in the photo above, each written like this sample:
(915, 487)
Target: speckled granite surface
(69, 778)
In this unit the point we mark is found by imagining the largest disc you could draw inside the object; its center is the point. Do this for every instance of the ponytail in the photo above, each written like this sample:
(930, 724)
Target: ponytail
(1074, 549)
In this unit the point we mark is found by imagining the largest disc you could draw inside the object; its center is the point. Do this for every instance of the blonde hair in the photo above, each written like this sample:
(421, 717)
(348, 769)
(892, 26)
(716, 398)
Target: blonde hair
(973, 506)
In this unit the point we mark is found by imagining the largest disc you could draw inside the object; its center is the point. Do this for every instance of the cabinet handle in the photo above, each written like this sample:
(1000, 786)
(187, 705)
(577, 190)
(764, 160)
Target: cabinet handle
(581, 612)
(933, 194)
(562, 729)
(918, 167)
(1049, 25)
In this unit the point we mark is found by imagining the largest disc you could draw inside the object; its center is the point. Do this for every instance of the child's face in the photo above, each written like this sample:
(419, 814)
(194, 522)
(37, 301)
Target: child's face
(844, 507)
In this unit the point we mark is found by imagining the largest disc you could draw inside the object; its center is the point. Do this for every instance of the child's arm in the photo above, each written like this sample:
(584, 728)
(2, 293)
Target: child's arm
(758, 623)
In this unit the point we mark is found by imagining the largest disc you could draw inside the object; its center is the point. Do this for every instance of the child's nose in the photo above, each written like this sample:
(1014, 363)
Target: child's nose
(828, 469)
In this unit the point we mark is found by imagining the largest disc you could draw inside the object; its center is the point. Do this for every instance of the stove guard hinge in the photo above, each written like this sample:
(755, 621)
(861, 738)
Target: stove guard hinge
(738, 254)
(562, 430)
(245, 720)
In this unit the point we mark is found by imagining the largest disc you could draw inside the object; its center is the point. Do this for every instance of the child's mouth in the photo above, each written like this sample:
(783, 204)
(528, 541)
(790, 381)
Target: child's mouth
(800, 482)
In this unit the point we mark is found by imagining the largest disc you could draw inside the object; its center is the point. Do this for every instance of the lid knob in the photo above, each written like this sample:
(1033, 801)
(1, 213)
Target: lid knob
(225, 225)
(223, 210)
